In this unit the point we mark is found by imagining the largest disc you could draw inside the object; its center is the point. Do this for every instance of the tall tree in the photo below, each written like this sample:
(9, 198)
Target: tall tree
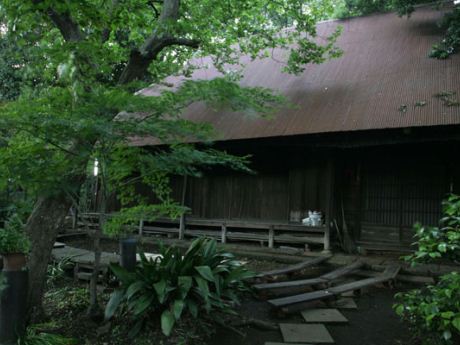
(95, 54)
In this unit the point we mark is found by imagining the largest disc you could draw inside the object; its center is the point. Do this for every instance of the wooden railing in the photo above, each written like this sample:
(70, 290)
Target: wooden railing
(223, 230)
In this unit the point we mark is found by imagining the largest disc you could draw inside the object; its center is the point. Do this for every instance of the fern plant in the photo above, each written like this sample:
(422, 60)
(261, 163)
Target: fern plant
(203, 279)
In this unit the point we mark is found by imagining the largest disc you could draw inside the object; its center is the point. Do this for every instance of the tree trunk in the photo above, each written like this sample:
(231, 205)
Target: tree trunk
(42, 227)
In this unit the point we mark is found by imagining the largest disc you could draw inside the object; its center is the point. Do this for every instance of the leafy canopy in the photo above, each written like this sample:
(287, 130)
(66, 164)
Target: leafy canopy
(92, 56)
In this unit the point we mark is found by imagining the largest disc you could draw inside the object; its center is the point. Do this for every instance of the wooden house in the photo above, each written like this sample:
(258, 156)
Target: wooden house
(373, 140)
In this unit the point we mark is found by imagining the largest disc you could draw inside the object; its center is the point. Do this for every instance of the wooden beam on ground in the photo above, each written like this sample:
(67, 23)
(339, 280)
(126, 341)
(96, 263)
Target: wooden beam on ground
(296, 303)
(294, 268)
(299, 286)
(342, 271)
(400, 277)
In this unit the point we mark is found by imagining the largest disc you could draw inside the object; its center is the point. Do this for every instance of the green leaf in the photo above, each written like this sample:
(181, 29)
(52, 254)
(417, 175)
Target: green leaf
(160, 289)
(192, 307)
(178, 307)
(203, 288)
(442, 247)
(210, 248)
(184, 283)
(134, 288)
(134, 331)
(456, 323)
(399, 309)
(141, 304)
(447, 315)
(205, 272)
(167, 322)
(447, 335)
(122, 274)
(114, 301)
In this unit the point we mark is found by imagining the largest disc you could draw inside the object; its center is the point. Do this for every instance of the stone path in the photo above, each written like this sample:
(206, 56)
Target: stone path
(313, 331)
(323, 315)
(305, 333)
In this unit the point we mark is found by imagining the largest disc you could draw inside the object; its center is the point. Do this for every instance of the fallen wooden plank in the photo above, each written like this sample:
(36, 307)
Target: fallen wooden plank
(295, 268)
(299, 286)
(342, 271)
(389, 274)
(289, 287)
(400, 277)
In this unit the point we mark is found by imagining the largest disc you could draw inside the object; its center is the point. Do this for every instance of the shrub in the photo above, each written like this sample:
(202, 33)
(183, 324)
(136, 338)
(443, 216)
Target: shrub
(35, 336)
(201, 280)
(440, 242)
(434, 313)
(12, 237)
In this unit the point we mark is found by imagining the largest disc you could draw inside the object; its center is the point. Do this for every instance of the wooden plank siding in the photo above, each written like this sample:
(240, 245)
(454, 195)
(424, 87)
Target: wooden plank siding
(387, 192)
(383, 189)
(263, 196)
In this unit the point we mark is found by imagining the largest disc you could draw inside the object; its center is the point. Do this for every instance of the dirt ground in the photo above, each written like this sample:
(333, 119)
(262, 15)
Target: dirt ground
(373, 323)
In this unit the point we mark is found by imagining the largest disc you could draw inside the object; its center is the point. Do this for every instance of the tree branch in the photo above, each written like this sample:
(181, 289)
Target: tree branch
(106, 32)
(152, 5)
(67, 26)
(140, 59)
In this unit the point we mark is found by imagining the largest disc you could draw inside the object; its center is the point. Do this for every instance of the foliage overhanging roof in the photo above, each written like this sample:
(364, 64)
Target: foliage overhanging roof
(384, 80)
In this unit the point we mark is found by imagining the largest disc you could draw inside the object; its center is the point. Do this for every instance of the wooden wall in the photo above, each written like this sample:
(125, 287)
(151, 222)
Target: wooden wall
(270, 194)
(381, 190)
(387, 191)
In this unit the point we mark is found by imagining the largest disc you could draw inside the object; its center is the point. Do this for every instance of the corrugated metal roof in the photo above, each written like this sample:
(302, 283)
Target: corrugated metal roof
(385, 65)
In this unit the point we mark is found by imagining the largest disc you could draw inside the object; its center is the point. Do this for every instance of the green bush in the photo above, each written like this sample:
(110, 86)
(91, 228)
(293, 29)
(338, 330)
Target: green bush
(434, 312)
(201, 280)
(12, 237)
(440, 242)
(35, 336)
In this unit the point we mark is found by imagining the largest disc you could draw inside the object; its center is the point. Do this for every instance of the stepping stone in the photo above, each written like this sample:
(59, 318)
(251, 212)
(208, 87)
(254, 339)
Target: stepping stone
(301, 333)
(345, 303)
(323, 315)
(270, 343)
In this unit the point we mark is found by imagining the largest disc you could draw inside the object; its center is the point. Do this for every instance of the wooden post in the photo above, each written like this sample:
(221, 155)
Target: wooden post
(329, 207)
(141, 227)
(327, 239)
(182, 217)
(271, 236)
(182, 227)
(224, 233)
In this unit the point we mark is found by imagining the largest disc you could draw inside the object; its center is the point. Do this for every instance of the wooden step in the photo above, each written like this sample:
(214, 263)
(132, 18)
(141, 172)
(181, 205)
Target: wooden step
(298, 286)
(295, 303)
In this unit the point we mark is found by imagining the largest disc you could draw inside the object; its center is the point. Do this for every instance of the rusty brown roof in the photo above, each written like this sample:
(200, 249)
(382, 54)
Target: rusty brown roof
(385, 65)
